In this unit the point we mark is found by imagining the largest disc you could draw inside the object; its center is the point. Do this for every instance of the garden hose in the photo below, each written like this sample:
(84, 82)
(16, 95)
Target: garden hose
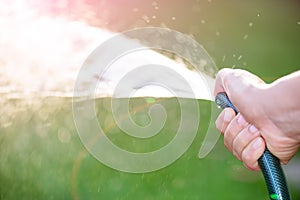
(268, 163)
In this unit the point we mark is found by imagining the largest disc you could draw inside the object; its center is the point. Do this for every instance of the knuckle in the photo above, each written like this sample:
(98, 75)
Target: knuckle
(237, 146)
(227, 141)
(247, 157)
(227, 145)
(220, 124)
(237, 150)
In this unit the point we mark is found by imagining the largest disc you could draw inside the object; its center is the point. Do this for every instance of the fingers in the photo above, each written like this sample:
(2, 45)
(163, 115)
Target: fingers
(229, 80)
(224, 119)
(234, 80)
(252, 153)
(220, 86)
(245, 142)
(241, 138)
(233, 129)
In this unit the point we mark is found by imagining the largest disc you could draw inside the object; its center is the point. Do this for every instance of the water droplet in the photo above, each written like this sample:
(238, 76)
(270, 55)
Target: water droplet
(298, 22)
(173, 18)
(63, 135)
(245, 37)
(240, 57)
(146, 18)
(217, 33)
(154, 3)
(203, 63)
(251, 24)
(203, 21)
(224, 57)
(258, 15)
(153, 17)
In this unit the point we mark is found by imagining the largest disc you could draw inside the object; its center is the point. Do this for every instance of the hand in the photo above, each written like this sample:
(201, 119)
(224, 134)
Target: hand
(262, 121)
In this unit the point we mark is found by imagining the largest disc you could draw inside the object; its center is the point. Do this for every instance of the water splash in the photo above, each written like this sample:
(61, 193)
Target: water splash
(41, 55)
(155, 5)
(146, 18)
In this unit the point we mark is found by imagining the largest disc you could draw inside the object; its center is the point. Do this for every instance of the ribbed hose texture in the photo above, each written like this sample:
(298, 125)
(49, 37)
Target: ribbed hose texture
(269, 164)
(274, 176)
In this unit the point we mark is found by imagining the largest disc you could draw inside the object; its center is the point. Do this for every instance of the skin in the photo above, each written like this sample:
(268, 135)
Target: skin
(269, 116)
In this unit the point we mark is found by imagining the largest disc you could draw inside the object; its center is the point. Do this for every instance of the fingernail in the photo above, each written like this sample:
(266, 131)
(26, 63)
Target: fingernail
(257, 143)
(241, 120)
(253, 129)
(227, 116)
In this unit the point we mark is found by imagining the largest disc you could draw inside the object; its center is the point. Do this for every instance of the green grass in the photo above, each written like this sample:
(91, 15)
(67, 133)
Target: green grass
(43, 158)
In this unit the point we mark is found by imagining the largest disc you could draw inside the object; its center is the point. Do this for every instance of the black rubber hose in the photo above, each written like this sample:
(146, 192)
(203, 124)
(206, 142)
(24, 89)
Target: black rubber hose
(268, 163)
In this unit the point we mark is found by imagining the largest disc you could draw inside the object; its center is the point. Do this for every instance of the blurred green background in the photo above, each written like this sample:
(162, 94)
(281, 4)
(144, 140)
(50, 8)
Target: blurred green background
(41, 156)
